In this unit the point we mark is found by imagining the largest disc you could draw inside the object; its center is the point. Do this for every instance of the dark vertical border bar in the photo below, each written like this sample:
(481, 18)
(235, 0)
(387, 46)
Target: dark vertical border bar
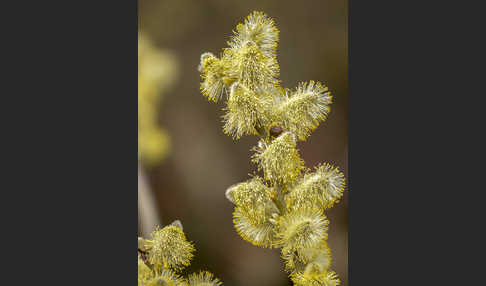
(413, 212)
(73, 168)
(381, 221)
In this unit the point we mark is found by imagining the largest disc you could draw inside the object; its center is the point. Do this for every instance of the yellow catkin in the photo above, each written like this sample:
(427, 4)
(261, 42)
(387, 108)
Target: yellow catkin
(284, 208)
(166, 278)
(259, 233)
(245, 112)
(328, 278)
(144, 272)
(203, 278)
(254, 199)
(213, 75)
(321, 188)
(280, 160)
(258, 29)
(302, 229)
(168, 252)
(302, 110)
(170, 249)
(317, 257)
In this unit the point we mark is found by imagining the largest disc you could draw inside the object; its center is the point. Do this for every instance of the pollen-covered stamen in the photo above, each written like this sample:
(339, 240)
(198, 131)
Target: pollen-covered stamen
(259, 234)
(166, 277)
(204, 56)
(259, 30)
(254, 199)
(311, 278)
(302, 229)
(144, 271)
(280, 160)
(300, 259)
(245, 112)
(203, 278)
(321, 188)
(144, 245)
(305, 108)
(170, 248)
(253, 69)
(213, 74)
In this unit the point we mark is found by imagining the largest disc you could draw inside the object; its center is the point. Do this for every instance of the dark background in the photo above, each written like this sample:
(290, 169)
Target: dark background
(189, 184)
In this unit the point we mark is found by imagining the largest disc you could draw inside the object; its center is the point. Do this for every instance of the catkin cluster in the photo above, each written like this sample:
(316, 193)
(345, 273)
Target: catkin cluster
(162, 257)
(285, 207)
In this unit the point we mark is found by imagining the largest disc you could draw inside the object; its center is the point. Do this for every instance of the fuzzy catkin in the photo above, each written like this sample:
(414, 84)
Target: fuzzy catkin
(161, 258)
(283, 208)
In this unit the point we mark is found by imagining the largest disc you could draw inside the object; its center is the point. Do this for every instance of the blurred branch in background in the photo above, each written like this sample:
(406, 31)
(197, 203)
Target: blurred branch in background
(148, 216)
(157, 71)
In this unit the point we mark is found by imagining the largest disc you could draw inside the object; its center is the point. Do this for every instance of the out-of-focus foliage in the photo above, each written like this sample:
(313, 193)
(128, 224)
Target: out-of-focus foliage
(285, 208)
(157, 70)
(161, 258)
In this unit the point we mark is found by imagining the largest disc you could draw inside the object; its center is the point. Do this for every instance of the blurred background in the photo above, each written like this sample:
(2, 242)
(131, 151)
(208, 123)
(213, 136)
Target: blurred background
(194, 161)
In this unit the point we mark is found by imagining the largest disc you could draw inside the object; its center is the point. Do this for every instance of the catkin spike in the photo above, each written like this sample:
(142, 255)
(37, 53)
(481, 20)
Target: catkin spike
(258, 29)
(254, 199)
(327, 278)
(280, 160)
(170, 248)
(304, 109)
(319, 257)
(259, 234)
(285, 208)
(203, 278)
(213, 75)
(253, 69)
(245, 112)
(320, 189)
(144, 272)
(168, 252)
(166, 278)
(302, 229)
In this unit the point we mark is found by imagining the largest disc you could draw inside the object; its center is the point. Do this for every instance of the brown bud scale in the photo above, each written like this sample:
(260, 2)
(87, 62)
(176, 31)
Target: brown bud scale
(275, 131)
